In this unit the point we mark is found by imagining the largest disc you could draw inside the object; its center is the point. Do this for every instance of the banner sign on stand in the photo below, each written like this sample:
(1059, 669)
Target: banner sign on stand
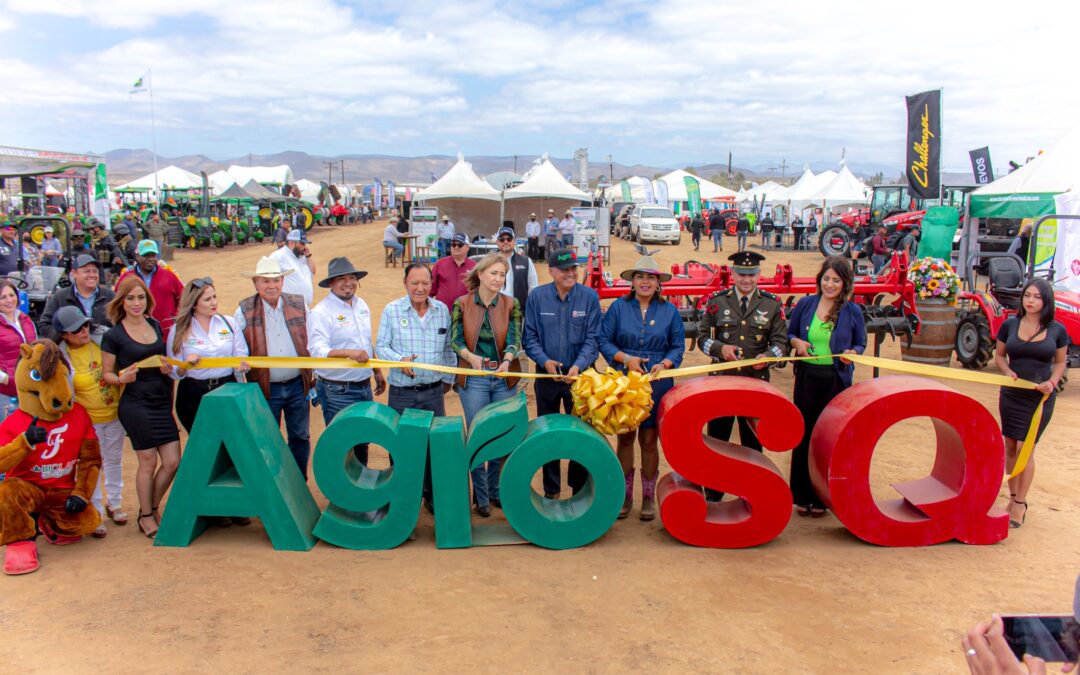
(924, 143)
(588, 231)
(980, 166)
(378, 196)
(661, 192)
(391, 195)
(625, 187)
(693, 194)
(646, 184)
(423, 223)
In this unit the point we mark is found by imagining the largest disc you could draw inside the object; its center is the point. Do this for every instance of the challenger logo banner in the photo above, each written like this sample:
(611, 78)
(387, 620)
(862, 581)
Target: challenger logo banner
(923, 164)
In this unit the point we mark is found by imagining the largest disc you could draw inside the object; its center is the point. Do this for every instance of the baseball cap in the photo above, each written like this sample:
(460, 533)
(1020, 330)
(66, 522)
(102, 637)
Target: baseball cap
(69, 319)
(297, 235)
(7, 225)
(48, 230)
(505, 231)
(92, 222)
(148, 247)
(84, 260)
(563, 259)
(460, 237)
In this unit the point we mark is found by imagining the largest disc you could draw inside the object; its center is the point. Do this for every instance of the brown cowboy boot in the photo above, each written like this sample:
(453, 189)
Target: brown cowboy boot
(628, 501)
(648, 493)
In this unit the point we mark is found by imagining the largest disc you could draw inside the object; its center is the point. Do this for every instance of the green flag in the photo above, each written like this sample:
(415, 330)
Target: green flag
(101, 187)
(625, 191)
(693, 194)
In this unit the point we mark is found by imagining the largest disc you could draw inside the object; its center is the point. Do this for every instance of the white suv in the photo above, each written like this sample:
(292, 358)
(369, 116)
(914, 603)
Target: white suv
(649, 222)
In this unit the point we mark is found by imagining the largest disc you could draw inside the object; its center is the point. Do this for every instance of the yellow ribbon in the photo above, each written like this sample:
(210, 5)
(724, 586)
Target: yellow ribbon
(633, 399)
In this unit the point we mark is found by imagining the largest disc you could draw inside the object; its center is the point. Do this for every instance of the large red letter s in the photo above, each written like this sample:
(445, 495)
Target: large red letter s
(954, 502)
(764, 507)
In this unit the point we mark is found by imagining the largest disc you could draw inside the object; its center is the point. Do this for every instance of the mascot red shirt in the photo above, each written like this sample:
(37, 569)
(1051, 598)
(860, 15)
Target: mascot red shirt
(50, 464)
(51, 456)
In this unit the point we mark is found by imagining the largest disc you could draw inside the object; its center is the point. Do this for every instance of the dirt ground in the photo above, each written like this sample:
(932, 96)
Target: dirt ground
(816, 599)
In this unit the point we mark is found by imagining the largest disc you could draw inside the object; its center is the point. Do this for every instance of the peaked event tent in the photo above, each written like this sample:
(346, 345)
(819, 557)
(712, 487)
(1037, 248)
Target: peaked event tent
(309, 190)
(844, 189)
(471, 203)
(169, 177)
(220, 181)
(677, 187)
(234, 191)
(803, 193)
(769, 190)
(544, 188)
(274, 175)
(1029, 191)
(261, 193)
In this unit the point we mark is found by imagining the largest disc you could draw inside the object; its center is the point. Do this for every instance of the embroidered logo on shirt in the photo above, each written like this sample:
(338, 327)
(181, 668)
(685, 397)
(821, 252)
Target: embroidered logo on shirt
(578, 313)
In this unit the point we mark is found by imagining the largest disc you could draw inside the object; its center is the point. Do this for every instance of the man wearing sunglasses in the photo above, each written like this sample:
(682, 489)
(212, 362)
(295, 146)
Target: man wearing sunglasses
(448, 274)
(521, 277)
(162, 281)
(85, 293)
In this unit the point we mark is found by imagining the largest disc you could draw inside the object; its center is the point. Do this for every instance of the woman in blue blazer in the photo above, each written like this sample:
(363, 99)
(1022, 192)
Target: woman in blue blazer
(822, 325)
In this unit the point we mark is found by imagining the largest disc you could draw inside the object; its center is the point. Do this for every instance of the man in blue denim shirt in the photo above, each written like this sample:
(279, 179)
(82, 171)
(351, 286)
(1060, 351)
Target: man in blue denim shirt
(562, 320)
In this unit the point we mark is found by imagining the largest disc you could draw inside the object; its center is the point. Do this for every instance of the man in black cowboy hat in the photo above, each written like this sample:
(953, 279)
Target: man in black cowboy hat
(340, 326)
(742, 322)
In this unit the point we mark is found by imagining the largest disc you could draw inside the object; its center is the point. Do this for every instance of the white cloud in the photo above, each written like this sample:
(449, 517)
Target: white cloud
(669, 81)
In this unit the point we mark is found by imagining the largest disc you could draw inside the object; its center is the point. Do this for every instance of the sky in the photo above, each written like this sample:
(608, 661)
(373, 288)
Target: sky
(663, 82)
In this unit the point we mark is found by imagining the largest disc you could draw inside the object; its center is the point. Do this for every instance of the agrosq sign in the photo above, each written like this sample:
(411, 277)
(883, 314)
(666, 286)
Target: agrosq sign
(236, 463)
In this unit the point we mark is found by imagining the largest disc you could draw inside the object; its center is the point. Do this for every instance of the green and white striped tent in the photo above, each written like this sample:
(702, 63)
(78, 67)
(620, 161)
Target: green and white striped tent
(1029, 191)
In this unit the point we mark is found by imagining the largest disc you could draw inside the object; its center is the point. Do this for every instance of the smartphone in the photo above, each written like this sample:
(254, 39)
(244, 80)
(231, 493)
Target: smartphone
(1051, 638)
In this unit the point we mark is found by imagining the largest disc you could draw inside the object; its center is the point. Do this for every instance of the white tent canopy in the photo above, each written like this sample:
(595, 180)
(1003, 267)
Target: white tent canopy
(677, 187)
(309, 190)
(221, 180)
(276, 175)
(169, 177)
(545, 181)
(1053, 172)
(770, 190)
(845, 188)
(805, 190)
(467, 199)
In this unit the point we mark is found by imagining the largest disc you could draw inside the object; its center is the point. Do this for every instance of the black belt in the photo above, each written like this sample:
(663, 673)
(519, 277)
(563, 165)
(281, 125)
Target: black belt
(418, 387)
(210, 383)
(366, 383)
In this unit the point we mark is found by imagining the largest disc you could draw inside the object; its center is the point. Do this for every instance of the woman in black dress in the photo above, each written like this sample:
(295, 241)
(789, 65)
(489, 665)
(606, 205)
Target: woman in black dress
(145, 408)
(1030, 346)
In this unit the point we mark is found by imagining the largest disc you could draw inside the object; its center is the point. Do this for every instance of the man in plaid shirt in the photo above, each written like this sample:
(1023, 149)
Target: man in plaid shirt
(416, 328)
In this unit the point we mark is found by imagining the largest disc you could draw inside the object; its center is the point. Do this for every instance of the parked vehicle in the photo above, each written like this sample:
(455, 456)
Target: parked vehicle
(649, 222)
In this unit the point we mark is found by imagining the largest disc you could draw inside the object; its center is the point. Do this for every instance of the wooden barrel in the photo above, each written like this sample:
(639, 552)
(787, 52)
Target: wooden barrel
(937, 334)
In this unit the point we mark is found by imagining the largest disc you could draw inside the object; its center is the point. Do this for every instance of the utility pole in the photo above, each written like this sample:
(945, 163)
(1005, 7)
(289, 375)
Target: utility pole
(783, 168)
(611, 170)
(343, 172)
(515, 163)
(330, 172)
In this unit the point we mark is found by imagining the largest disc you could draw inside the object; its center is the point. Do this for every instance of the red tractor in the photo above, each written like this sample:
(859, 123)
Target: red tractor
(981, 312)
(891, 206)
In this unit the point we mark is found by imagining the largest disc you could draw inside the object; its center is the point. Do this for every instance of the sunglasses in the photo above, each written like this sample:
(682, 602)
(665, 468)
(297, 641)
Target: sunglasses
(202, 283)
(457, 244)
(505, 239)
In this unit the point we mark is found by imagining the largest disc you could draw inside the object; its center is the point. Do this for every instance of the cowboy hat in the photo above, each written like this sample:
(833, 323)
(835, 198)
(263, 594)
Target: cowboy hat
(267, 267)
(339, 267)
(645, 264)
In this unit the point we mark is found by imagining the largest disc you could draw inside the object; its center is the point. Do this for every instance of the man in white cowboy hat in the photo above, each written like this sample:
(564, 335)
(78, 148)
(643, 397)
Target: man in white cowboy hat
(274, 323)
(532, 231)
(446, 231)
(340, 327)
(566, 229)
(296, 256)
(551, 233)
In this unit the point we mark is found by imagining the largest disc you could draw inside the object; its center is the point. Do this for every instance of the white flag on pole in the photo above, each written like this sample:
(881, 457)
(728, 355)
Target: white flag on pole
(142, 84)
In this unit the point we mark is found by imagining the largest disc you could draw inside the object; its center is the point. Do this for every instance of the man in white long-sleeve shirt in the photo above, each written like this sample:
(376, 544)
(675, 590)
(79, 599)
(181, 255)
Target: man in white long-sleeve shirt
(446, 231)
(532, 231)
(340, 326)
(296, 256)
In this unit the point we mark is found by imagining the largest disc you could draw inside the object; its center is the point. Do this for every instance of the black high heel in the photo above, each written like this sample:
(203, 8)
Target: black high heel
(149, 534)
(1014, 524)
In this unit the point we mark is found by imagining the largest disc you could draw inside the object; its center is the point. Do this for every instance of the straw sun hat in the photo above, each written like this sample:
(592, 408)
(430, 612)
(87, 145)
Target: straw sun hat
(648, 265)
(267, 267)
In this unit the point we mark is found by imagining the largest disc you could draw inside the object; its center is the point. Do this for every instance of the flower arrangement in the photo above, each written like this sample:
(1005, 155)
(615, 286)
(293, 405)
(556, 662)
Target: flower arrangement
(934, 278)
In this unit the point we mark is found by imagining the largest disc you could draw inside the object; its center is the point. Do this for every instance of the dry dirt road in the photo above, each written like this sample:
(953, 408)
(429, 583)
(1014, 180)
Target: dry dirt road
(816, 599)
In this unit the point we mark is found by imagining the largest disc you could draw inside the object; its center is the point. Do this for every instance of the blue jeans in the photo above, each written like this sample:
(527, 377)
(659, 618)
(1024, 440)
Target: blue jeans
(288, 398)
(398, 248)
(568, 240)
(336, 396)
(740, 239)
(444, 247)
(479, 392)
(717, 242)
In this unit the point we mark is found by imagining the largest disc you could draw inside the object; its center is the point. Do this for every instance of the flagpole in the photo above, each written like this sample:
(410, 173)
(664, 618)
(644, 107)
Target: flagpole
(153, 140)
(941, 151)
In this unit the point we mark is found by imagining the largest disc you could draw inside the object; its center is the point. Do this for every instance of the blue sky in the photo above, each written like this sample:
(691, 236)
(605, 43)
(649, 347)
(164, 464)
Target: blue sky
(668, 82)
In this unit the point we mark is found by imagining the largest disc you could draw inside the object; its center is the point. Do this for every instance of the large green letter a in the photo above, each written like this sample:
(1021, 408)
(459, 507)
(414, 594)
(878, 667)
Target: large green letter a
(237, 464)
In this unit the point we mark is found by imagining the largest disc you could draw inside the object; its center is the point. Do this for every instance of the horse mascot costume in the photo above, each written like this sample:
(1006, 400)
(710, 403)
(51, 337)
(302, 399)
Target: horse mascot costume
(51, 456)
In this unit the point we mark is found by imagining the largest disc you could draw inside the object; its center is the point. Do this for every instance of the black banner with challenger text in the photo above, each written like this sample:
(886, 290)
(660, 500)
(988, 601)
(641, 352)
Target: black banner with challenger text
(924, 143)
(980, 166)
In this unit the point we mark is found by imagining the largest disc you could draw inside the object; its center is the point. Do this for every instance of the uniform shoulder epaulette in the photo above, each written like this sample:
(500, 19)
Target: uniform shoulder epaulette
(766, 294)
(720, 294)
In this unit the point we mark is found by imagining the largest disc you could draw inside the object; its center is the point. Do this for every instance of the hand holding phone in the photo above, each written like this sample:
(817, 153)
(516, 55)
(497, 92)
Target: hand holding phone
(1051, 638)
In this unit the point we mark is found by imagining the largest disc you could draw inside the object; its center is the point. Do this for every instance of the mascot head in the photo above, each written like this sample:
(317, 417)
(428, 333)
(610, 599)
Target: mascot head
(41, 379)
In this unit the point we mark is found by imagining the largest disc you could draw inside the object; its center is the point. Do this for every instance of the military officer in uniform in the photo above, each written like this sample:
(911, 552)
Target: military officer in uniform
(742, 322)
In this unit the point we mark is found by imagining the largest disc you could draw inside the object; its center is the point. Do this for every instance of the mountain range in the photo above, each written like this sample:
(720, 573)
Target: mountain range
(124, 165)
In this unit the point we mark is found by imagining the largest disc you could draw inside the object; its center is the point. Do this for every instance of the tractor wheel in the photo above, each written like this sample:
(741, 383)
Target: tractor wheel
(835, 240)
(974, 346)
(191, 243)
